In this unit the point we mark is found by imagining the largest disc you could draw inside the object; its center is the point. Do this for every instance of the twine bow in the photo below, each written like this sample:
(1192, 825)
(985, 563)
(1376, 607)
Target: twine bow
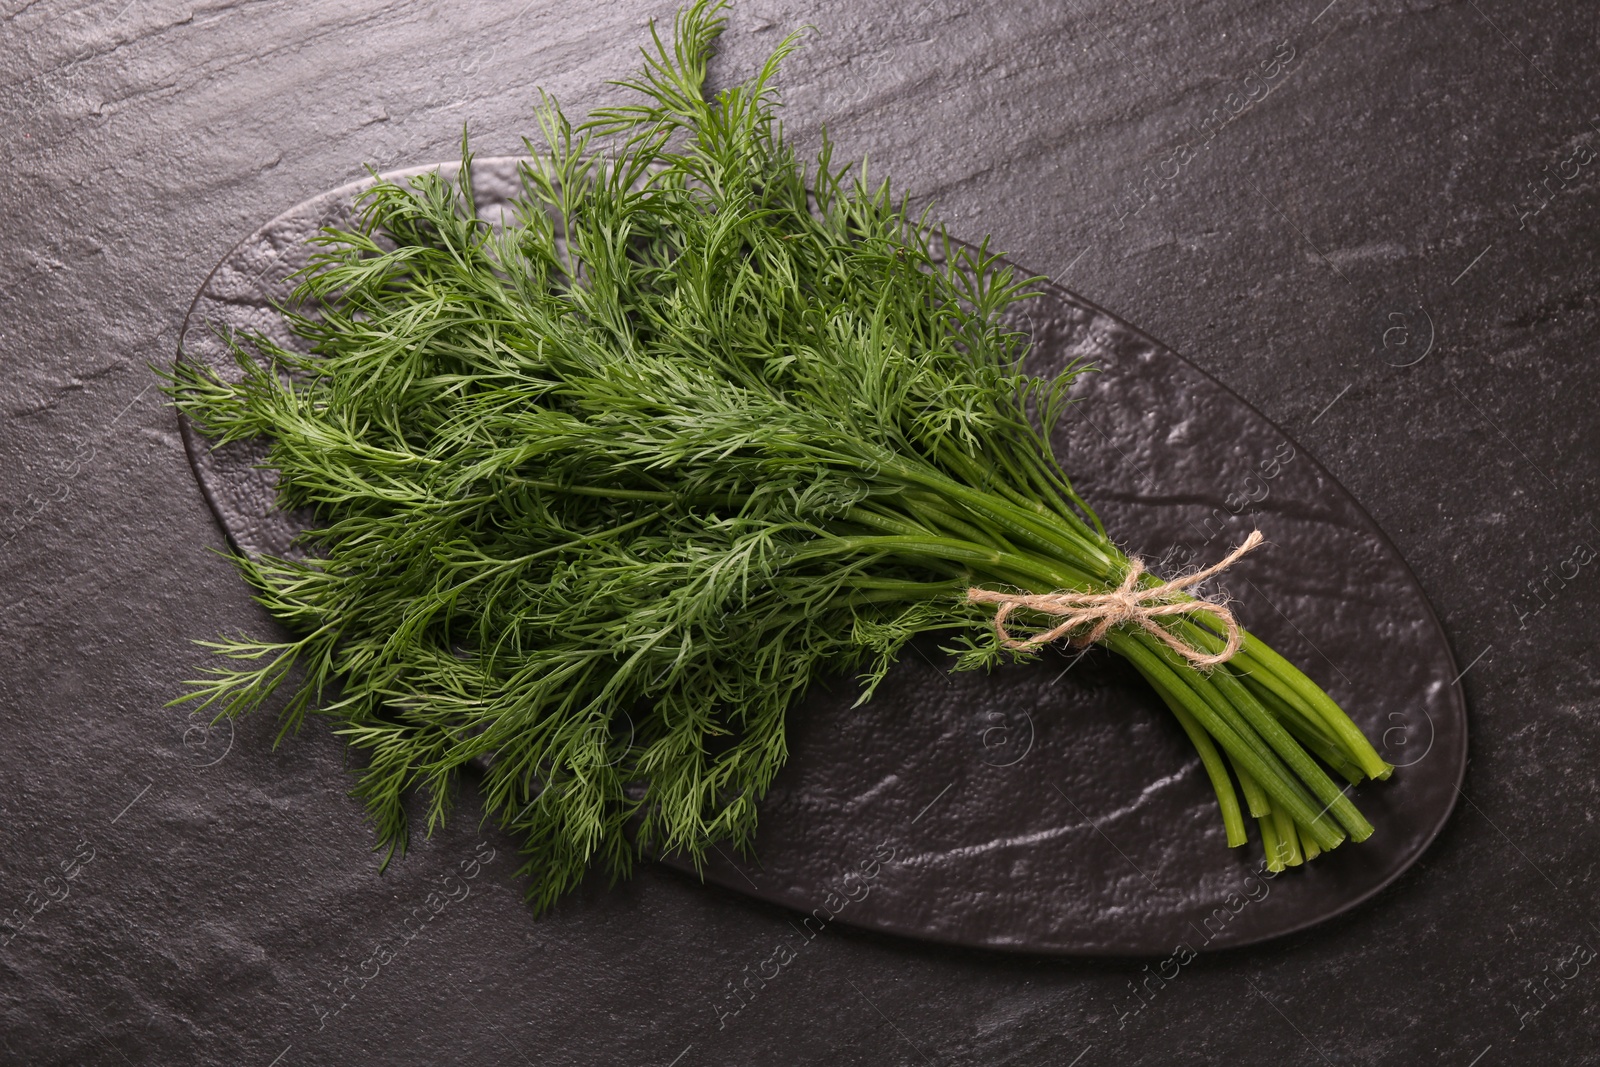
(1126, 603)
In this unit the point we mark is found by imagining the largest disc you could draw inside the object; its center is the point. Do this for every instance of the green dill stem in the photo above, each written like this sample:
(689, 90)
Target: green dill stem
(1285, 679)
(1308, 847)
(1216, 770)
(1289, 836)
(1048, 478)
(1310, 734)
(1271, 843)
(986, 481)
(1068, 546)
(936, 516)
(1297, 721)
(909, 590)
(1033, 473)
(1254, 798)
(872, 518)
(1033, 572)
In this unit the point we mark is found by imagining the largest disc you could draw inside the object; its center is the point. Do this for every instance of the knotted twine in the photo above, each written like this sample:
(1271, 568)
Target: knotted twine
(1125, 604)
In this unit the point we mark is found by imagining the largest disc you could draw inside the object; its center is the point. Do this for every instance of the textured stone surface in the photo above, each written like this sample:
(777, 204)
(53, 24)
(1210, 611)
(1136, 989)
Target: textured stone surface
(1078, 819)
(1393, 169)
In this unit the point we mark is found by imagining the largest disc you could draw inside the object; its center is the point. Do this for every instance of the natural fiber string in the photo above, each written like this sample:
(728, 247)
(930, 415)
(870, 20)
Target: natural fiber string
(1126, 603)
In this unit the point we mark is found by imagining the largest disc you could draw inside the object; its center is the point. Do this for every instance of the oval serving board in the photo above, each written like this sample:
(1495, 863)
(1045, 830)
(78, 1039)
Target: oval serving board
(1053, 807)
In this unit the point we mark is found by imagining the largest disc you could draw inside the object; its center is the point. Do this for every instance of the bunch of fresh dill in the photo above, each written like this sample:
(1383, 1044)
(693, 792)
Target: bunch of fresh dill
(600, 491)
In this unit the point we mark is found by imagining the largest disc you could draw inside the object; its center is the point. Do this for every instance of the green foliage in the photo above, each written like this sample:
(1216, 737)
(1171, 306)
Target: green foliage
(600, 492)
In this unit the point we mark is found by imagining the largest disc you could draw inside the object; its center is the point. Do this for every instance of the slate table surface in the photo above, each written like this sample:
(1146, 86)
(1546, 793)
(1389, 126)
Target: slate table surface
(1389, 248)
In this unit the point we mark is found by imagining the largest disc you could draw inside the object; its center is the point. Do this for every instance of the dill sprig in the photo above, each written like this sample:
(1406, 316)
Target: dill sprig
(599, 491)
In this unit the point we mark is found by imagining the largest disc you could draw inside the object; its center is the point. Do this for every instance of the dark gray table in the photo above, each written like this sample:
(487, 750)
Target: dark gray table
(1389, 248)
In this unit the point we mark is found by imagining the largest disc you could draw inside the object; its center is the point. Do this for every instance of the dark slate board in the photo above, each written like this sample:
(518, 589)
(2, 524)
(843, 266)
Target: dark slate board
(1055, 807)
